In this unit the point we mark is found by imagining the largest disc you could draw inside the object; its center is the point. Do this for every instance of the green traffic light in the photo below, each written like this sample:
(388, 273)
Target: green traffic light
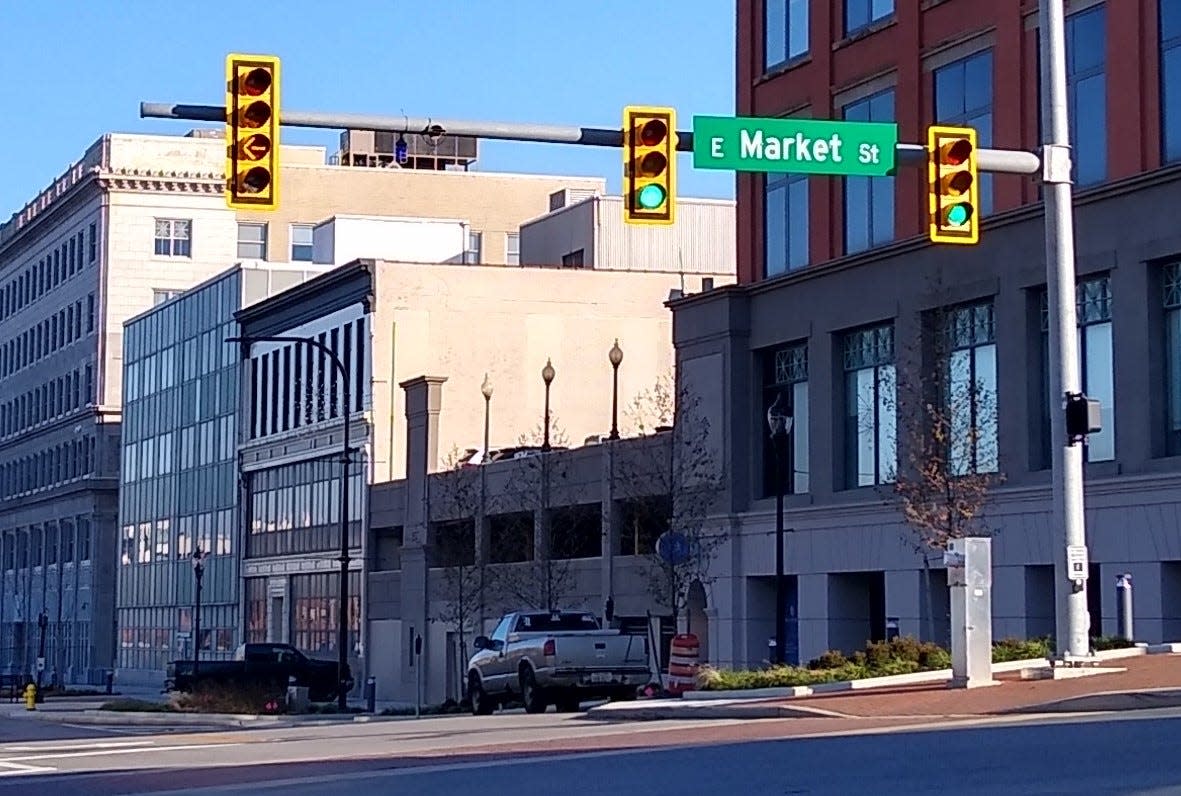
(650, 197)
(958, 215)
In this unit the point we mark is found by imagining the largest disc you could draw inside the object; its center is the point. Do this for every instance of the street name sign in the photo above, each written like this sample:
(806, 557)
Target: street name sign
(804, 146)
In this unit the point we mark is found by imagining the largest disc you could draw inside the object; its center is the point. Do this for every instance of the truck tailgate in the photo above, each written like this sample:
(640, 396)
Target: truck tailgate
(592, 650)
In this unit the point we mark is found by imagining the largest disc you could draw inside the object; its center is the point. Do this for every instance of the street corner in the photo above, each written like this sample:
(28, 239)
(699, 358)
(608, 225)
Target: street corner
(1106, 702)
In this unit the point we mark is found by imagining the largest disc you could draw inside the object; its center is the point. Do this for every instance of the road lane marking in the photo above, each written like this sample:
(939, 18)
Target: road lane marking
(75, 746)
(106, 752)
(17, 769)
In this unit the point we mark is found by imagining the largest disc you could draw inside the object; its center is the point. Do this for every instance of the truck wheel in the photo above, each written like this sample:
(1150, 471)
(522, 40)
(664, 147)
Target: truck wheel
(568, 703)
(482, 704)
(531, 695)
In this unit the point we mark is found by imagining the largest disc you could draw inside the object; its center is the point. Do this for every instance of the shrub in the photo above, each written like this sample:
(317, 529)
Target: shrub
(251, 699)
(127, 705)
(832, 659)
(1110, 643)
(1016, 649)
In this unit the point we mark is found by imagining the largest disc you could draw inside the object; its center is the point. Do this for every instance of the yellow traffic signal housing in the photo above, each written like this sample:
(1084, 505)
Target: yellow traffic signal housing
(252, 132)
(953, 186)
(649, 165)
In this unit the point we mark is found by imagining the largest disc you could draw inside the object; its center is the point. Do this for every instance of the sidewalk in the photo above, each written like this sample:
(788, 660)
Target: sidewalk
(1148, 681)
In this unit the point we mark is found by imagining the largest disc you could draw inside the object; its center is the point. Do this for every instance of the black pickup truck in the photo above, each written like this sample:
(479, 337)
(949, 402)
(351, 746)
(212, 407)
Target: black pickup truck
(279, 665)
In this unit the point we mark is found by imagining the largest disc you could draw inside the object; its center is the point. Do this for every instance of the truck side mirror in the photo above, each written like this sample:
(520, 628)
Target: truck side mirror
(481, 642)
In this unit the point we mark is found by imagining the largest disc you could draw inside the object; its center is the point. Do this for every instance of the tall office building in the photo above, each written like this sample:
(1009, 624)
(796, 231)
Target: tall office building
(847, 314)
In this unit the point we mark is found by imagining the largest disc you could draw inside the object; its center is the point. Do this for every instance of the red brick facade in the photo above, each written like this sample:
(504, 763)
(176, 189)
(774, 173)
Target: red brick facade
(900, 45)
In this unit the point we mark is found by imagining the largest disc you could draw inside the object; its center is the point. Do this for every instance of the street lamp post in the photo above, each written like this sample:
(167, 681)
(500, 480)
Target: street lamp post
(42, 623)
(615, 355)
(780, 423)
(199, 572)
(342, 624)
(547, 375)
(486, 391)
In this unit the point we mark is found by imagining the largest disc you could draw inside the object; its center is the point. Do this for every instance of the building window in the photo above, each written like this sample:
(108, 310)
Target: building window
(1093, 309)
(573, 259)
(1086, 88)
(786, 223)
(785, 376)
(252, 241)
(474, 250)
(862, 13)
(159, 296)
(871, 438)
(174, 237)
(963, 96)
(1172, 304)
(301, 243)
(512, 248)
(93, 243)
(869, 201)
(1170, 78)
(786, 32)
(970, 389)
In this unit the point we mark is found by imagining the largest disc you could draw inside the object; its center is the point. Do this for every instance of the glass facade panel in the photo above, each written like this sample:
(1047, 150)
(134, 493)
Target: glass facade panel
(179, 493)
(785, 376)
(869, 201)
(871, 434)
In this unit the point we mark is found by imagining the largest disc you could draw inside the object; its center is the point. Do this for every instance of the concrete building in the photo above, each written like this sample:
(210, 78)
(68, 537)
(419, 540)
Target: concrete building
(856, 372)
(136, 220)
(590, 233)
(391, 322)
(178, 486)
(588, 517)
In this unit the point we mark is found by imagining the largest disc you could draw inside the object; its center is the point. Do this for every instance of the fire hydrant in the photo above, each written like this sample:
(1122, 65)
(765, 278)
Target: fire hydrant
(30, 697)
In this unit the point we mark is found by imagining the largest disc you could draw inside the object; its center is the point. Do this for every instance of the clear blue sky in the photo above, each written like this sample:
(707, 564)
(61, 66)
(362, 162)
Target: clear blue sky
(74, 69)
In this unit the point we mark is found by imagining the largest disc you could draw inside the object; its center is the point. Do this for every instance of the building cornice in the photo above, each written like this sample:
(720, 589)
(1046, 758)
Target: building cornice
(162, 181)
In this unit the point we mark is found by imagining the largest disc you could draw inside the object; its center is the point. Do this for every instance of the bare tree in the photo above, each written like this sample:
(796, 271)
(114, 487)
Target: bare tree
(546, 579)
(948, 433)
(654, 407)
(454, 500)
(671, 486)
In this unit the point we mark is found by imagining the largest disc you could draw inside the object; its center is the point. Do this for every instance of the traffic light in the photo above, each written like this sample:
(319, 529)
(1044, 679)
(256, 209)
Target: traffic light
(649, 165)
(252, 132)
(952, 185)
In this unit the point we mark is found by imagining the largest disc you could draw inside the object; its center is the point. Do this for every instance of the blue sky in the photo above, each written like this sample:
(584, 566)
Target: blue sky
(74, 69)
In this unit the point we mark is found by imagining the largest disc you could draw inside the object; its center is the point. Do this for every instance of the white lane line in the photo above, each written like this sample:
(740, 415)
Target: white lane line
(17, 769)
(106, 752)
(75, 746)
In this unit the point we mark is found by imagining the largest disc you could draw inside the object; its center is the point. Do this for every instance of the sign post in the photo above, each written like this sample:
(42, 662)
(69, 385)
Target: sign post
(804, 146)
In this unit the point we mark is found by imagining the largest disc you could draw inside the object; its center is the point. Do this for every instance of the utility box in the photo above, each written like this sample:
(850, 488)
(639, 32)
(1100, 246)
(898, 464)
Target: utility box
(969, 579)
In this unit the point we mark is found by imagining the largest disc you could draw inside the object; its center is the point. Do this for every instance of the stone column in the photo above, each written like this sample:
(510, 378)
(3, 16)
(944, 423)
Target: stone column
(424, 396)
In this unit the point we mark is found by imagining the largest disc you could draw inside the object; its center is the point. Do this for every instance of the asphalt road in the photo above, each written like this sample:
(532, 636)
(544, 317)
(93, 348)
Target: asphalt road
(1117, 753)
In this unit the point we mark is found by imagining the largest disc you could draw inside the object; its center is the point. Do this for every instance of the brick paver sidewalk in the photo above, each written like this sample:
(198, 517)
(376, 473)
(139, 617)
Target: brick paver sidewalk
(1143, 673)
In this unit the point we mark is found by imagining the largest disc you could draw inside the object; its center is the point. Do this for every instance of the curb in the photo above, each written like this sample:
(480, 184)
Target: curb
(109, 718)
(714, 709)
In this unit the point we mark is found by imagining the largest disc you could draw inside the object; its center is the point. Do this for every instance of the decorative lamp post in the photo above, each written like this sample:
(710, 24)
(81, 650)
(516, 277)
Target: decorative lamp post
(615, 355)
(199, 572)
(547, 375)
(779, 422)
(486, 391)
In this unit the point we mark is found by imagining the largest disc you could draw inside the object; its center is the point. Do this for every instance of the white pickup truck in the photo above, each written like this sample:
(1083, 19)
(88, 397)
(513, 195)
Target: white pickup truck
(554, 657)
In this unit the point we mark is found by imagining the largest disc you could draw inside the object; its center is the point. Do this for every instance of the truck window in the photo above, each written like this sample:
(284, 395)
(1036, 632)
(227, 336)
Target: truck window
(501, 631)
(556, 622)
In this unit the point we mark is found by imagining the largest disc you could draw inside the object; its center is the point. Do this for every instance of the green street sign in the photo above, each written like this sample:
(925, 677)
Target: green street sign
(804, 146)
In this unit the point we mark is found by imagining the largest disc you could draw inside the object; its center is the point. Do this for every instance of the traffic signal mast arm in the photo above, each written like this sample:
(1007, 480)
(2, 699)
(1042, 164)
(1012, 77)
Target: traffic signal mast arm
(1011, 161)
